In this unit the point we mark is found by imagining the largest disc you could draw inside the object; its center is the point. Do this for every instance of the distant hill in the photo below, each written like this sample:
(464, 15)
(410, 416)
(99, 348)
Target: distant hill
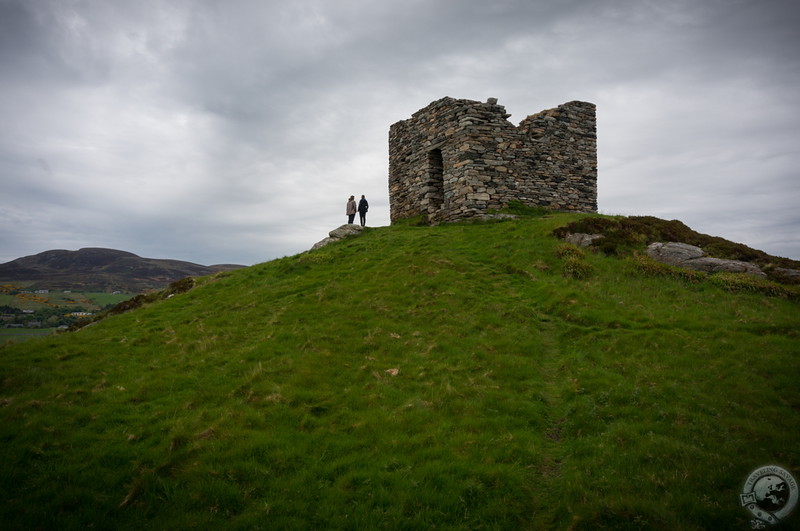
(98, 269)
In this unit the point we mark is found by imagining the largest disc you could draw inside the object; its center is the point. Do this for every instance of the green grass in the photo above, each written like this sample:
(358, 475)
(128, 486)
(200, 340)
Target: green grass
(22, 334)
(463, 376)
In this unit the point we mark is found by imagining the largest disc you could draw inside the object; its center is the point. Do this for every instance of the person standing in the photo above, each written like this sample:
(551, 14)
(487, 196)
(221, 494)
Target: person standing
(351, 209)
(363, 206)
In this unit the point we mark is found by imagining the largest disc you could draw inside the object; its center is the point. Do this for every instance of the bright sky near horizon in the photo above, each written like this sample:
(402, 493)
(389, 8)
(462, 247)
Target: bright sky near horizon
(234, 132)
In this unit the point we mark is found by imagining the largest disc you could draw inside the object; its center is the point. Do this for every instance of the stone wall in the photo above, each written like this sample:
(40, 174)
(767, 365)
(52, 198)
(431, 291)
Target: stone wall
(456, 159)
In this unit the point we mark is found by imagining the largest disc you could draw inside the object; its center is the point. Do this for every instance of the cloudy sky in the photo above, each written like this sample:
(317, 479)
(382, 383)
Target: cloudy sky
(233, 132)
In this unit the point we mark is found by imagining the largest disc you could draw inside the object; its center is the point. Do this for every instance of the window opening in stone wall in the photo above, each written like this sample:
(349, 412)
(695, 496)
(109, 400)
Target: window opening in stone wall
(435, 189)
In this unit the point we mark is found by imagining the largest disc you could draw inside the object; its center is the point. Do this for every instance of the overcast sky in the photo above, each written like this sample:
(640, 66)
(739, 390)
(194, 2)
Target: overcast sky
(233, 131)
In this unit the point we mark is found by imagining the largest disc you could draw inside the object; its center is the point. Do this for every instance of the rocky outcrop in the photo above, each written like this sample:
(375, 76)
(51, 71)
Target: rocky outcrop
(579, 239)
(691, 257)
(340, 233)
(790, 276)
(496, 217)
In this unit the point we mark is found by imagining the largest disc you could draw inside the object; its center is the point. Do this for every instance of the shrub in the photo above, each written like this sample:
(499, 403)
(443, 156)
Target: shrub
(777, 275)
(739, 282)
(645, 265)
(180, 286)
(577, 268)
(567, 250)
(574, 264)
(735, 282)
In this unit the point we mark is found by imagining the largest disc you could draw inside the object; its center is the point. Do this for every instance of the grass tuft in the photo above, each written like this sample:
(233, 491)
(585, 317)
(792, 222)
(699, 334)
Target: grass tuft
(519, 208)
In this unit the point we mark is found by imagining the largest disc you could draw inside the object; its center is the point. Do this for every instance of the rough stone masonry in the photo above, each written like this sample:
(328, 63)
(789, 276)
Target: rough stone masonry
(457, 159)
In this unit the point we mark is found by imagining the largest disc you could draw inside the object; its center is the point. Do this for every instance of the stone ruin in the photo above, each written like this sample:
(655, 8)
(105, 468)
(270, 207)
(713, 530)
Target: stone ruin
(458, 159)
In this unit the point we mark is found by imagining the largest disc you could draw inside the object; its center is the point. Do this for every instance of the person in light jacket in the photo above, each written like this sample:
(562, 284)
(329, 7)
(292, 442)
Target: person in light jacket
(363, 206)
(351, 209)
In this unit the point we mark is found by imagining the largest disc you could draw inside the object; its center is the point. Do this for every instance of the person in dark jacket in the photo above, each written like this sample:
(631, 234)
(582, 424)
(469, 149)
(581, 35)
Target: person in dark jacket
(363, 206)
(351, 209)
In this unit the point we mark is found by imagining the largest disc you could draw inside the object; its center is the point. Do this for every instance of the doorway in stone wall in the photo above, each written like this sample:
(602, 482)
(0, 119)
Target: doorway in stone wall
(435, 189)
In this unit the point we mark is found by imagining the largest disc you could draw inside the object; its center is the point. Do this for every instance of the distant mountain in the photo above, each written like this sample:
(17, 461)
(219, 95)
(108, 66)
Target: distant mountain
(97, 269)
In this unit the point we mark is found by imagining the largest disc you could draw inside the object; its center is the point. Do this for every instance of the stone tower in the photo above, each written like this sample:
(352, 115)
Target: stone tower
(456, 159)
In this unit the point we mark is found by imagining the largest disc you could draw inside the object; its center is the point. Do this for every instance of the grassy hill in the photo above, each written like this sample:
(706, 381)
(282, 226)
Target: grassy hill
(464, 376)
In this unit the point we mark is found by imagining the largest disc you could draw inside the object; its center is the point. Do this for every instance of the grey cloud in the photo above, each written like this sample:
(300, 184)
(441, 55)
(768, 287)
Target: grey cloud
(232, 132)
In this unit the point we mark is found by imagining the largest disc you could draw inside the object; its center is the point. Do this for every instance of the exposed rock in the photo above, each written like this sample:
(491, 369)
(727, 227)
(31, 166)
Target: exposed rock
(691, 257)
(792, 275)
(580, 239)
(497, 216)
(674, 253)
(718, 265)
(348, 229)
(322, 243)
(340, 233)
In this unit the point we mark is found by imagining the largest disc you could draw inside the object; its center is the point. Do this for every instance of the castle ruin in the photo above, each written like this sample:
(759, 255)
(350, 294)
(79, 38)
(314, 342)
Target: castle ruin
(457, 159)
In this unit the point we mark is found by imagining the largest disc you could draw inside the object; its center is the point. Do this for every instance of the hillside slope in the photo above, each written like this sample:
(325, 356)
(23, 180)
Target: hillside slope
(462, 376)
(98, 269)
